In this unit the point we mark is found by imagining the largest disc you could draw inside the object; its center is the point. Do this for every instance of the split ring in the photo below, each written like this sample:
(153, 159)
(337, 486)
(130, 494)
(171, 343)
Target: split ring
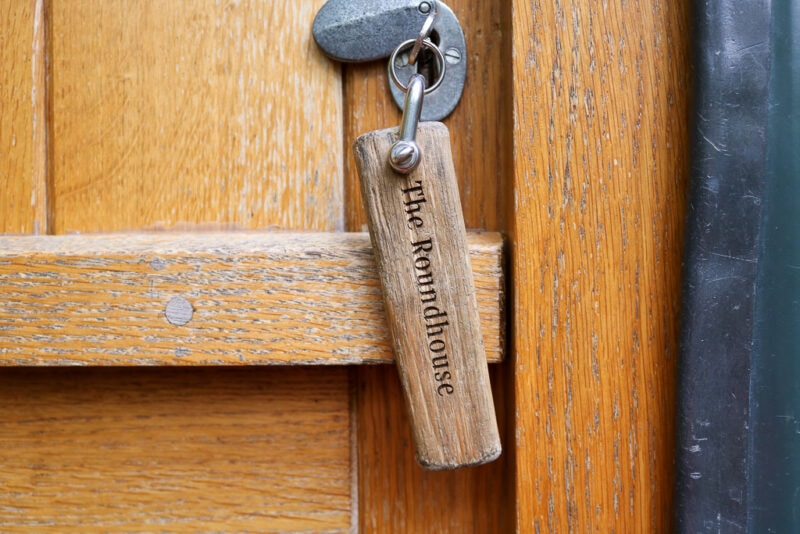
(424, 33)
(427, 43)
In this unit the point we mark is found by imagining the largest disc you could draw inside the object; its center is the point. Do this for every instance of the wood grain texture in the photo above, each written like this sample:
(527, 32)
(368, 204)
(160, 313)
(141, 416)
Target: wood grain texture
(164, 113)
(418, 236)
(250, 298)
(394, 494)
(107, 450)
(192, 112)
(23, 184)
(601, 107)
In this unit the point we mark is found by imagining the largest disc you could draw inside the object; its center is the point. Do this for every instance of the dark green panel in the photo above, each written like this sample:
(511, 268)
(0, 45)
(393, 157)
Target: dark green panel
(775, 401)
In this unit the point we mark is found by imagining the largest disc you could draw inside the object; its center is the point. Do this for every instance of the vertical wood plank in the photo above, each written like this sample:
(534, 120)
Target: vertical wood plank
(396, 495)
(23, 184)
(105, 450)
(601, 107)
(192, 112)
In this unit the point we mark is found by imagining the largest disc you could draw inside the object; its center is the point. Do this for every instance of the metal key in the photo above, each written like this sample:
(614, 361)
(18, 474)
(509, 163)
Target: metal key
(367, 30)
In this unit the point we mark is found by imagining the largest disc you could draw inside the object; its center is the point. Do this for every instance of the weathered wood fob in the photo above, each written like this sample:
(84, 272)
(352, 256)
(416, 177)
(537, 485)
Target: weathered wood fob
(417, 231)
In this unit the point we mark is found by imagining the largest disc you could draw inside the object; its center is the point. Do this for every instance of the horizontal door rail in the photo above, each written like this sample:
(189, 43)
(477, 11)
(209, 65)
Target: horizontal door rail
(209, 299)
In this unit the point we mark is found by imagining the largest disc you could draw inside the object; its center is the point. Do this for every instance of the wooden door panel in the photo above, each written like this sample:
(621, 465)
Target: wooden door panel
(121, 450)
(571, 138)
(22, 118)
(191, 112)
(164, 113)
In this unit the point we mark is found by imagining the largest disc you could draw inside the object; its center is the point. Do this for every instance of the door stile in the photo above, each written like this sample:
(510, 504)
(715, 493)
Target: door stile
(601, 100)
(395, 494)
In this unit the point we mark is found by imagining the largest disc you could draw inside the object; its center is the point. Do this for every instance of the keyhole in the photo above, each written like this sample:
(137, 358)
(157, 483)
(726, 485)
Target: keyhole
(428, 67)
(426, 62)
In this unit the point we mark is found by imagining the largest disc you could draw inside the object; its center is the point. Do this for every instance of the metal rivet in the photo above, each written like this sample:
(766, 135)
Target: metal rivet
(404, 156)
(179, 311)
(424, 8)
(452, 55)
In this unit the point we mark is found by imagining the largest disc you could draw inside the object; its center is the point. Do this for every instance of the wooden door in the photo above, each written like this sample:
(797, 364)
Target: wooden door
(129, 116)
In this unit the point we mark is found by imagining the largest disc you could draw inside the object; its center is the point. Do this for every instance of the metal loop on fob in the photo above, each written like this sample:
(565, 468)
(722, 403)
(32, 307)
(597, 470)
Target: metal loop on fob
(405, 153)
(440, 61)
(425, 32)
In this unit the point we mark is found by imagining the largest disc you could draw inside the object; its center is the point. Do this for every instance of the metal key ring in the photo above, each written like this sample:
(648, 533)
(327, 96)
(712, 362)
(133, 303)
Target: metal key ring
(425, 44)
(424, 33)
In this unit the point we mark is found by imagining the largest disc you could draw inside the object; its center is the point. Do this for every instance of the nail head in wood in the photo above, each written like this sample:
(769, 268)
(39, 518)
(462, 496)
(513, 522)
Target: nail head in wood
(179, 311)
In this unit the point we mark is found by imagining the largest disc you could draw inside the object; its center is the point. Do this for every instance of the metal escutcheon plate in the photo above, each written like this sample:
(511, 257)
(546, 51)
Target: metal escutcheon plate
(448, 35)
(366, 30)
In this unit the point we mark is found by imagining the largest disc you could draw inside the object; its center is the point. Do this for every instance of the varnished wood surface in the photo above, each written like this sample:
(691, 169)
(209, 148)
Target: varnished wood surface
(394, 494)
(193, 450)
(419, 241)
(23, 183)
(249, 298)
(163, 114)
(192, 112)
(601, 108)
(599, 90)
